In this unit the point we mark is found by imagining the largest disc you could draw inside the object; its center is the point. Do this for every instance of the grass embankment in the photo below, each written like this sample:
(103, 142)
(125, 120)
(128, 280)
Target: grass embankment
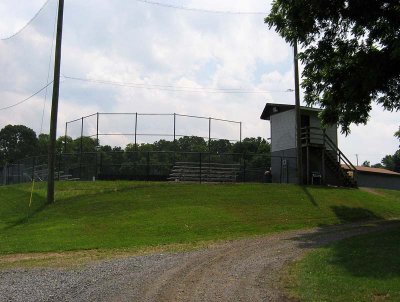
(133, 215)
(364, 268)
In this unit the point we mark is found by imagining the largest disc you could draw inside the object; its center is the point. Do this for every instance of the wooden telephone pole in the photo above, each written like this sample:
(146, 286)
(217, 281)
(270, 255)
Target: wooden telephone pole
(298, 117)
(54, 105)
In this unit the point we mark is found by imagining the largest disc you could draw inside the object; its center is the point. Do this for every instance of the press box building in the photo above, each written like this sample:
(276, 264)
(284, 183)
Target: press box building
(322, 160)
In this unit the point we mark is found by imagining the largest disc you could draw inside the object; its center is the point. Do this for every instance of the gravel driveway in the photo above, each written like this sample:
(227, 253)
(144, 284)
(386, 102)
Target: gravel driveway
(242, 270)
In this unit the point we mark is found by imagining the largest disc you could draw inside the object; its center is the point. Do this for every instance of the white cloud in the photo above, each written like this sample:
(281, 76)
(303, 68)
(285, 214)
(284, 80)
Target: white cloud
(129, 41)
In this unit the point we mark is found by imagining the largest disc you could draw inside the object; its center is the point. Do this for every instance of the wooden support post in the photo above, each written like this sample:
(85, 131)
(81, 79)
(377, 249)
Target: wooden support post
(298, 117)
(54, 105)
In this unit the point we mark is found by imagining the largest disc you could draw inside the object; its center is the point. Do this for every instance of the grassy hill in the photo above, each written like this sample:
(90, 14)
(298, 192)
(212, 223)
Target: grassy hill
(125, 215)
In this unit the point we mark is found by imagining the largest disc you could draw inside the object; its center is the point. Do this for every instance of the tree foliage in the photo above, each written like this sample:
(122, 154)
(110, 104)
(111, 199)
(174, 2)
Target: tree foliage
(16, 142)
(350, 53)
(397, 134)
(392, 162)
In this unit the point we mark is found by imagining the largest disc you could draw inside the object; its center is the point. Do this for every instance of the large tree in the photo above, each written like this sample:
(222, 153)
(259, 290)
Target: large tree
(17, 142)
(350, 52)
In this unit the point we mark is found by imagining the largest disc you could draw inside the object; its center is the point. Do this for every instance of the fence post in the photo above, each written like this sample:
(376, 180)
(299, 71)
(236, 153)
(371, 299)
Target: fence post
(19, 172)
(174, 128)
(136, 121)
(209, 134)
(287, 171)
(148, 165)
(65, 137)
(59, 165)
(240, 132)
(96, 172)
(244, 167)
(8, 175)
(200, 166)
(97, 130)
(81, 150)
(101, 162)
(5, 174)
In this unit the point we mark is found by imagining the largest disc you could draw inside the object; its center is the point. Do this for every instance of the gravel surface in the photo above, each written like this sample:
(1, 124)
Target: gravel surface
(242, 270)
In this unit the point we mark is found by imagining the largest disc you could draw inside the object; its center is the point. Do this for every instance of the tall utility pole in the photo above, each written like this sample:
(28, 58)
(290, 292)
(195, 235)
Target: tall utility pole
(298, 117)
(54, 104)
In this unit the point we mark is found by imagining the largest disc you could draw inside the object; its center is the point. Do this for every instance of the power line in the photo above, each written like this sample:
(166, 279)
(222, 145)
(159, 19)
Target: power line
(199, 9)
(177, 88)
(48, 72)
(27, 24)
(27, 99)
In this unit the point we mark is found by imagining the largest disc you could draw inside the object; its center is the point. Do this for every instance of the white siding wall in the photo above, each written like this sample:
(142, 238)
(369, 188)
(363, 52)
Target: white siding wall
(331, 132)
(283, 131)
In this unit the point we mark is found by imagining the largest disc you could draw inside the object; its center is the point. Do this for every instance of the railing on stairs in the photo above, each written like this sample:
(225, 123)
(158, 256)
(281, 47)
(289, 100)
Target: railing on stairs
(312, 136)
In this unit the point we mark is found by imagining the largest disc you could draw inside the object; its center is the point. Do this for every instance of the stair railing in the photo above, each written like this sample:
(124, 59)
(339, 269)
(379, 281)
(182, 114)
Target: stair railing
(342, 157)
(310, 135)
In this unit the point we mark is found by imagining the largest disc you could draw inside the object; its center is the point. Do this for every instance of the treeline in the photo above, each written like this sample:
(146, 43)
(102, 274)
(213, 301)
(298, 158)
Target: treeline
(19, 142)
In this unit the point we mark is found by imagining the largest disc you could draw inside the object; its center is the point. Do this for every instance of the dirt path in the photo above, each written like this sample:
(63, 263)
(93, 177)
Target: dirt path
(243, 270)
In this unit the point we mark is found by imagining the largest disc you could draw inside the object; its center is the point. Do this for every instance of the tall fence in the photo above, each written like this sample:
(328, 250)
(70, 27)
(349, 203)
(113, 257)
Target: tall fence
(142, 127)
(145, 165)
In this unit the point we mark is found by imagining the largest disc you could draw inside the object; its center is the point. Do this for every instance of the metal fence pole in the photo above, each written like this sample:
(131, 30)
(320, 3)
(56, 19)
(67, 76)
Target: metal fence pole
(136, 121)
(200, 167)
(148, 166)
(65, 137)
(240, 131)
(97, 148)
(174, 128)
(59, 165)
(287, 171)
(209, 134)
(97, 130)
(81, 150)
(19, 172)
(101, 162)
(244, 167)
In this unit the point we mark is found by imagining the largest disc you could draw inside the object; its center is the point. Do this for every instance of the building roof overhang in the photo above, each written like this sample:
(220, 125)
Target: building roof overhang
(271, 109)
(372, 170)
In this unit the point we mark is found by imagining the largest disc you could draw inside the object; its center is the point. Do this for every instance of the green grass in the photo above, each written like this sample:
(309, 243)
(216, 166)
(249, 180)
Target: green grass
(124, 215)
(364, 268)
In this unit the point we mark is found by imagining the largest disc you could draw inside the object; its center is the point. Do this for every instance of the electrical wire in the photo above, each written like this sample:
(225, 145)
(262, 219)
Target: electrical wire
(199, 9)
(48, 73)
(27, 99)
(27, 24)
(176, 88)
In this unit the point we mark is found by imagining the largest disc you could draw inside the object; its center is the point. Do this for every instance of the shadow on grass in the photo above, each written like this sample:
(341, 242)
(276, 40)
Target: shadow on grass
(365, 246)
(310, 197)
(346, 214)
(39, 205)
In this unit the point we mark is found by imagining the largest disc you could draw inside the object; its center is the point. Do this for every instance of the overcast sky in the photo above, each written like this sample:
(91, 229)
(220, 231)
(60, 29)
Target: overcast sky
(152, 46)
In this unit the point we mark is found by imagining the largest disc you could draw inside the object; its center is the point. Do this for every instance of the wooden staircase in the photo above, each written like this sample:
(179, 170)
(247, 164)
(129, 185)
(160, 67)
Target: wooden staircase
(333, 158)
(204, 172)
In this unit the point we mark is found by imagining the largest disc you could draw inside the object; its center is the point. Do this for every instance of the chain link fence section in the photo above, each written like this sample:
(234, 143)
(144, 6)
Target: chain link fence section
(153, 166)
(136, 128)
